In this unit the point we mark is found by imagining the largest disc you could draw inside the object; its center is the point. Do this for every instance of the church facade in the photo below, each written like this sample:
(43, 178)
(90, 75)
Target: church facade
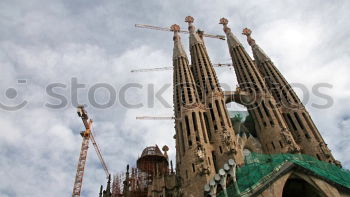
(280, 154)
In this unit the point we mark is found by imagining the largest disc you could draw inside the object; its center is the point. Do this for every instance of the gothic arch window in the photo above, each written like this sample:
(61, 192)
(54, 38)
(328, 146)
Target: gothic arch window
(204, 129)
(267, 113)
(195, 125)
(299, 187)
(292, 122)
(225, 114)
(318, 156)
(206, 120)
(188, 132)
(299, 121)
(182, 141)
(219, 112)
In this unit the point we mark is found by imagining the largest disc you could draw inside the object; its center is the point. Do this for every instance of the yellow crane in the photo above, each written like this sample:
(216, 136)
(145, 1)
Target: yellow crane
(87, 135)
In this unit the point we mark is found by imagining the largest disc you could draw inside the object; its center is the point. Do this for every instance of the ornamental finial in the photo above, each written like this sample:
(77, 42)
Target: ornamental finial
(223, 21)
(248, 32)
(189, 19)
(175, 28)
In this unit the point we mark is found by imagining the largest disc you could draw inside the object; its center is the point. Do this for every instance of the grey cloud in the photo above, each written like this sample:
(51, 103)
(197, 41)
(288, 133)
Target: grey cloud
(52, 41)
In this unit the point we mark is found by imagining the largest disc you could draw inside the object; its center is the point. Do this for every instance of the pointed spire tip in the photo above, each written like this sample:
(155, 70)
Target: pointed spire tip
(175, 28)
(223, 21)
(247, 32)
(189, 19)
(231, 39)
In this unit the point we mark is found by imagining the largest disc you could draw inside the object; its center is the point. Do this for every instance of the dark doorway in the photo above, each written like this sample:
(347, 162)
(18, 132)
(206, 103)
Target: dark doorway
(299, 188)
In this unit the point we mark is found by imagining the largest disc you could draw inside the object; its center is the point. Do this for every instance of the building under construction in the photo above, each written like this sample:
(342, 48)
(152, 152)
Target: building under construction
(280, 154)
(149, 175)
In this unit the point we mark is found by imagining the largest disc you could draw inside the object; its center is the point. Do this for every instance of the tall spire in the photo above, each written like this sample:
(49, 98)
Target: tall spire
(126, 183)
(220, 129)
(193, 151)
(271, 128)
(259, 54)
(108, 188)
(184, 88)
(231, 39)
(171, 167)
(178, 50)
(294, 112)
(202, 68)
(194, 36)
(107, 192)
(101, 190)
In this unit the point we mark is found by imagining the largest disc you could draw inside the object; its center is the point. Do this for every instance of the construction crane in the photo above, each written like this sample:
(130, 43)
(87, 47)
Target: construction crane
(221, 37)
(86, 135)
(170, 68)
(155, 118)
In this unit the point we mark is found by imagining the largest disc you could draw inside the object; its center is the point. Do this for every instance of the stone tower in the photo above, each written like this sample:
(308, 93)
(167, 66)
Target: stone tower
(272, 131)
(294, 113)
(193, 150)
(219, 127)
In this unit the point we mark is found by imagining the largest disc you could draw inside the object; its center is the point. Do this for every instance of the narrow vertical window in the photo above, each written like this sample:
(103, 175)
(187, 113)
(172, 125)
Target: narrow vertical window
(273, 145)
(204, 129)
(291, 121)
(206, 120)
(214, 161)
(182, 142)
(194, 120)
(299, 121)
(222, 122)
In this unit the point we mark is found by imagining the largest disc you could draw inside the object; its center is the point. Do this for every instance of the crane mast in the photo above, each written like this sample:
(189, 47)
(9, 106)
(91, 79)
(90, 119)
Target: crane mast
(87, 136)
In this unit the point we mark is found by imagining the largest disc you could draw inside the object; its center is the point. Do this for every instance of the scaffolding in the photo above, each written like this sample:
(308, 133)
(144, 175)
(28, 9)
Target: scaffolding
(152, 162)
(260, 167)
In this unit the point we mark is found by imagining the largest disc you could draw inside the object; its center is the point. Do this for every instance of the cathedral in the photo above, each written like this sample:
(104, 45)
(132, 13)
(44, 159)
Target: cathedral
(280, 153)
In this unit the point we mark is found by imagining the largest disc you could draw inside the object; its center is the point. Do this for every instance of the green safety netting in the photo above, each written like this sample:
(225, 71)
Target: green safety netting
(259, 167)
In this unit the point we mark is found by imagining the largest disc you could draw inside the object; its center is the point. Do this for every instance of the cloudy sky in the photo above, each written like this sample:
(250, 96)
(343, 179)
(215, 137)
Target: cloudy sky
(45, 44)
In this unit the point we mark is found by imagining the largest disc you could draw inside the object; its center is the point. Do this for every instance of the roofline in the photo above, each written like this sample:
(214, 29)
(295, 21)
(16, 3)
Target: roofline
(283, 169)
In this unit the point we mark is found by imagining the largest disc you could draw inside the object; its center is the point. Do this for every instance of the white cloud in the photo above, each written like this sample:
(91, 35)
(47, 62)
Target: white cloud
(47, 42)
